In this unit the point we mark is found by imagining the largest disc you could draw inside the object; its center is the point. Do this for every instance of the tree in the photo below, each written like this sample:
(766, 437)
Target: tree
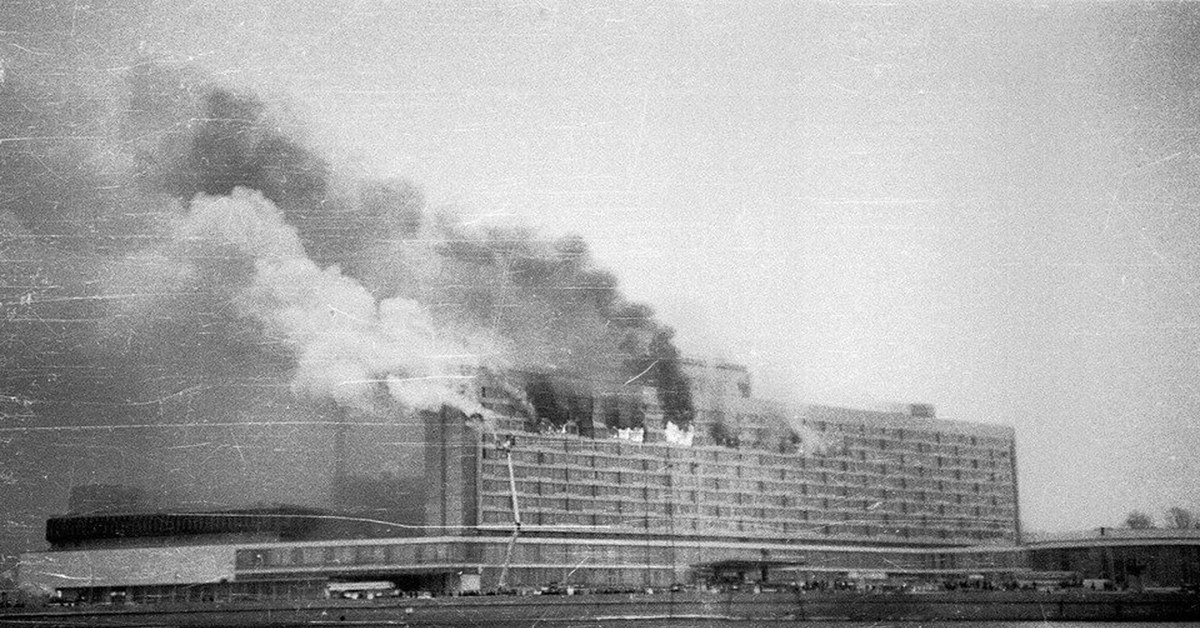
(1138, 520)
(1178, 518)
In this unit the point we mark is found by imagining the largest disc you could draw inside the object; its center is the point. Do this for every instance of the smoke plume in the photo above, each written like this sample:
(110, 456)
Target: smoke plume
(344, 341)
(181, 278)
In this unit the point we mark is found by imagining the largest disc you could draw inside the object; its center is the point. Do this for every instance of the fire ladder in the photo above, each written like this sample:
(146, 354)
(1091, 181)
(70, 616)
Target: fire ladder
(507, 446)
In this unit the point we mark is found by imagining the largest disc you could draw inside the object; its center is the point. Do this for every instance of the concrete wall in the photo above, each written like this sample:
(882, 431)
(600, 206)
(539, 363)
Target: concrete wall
(127, 567)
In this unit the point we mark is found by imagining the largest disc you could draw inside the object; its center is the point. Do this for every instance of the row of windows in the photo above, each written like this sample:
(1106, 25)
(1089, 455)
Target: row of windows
(797, 510)
(943, 482)
(941, 492)
(760, 423)
(634, 497)
(901, 434)
(747, 478)
(863, 448)
(837, 511)
(971, 452)
(751, 479)
(581, 552)
(634, 576)
(546, 450)
(867, 427)
(349, 555)
(718, 522)
(691, 461)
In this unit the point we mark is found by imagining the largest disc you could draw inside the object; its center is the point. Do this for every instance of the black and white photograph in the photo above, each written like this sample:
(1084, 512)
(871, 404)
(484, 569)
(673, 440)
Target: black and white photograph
(655, 314)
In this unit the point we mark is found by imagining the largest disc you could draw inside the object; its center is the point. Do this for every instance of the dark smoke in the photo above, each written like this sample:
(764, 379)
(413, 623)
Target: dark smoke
(561, 311)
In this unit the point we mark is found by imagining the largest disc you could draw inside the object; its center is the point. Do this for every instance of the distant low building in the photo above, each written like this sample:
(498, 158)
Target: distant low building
(1127, 558)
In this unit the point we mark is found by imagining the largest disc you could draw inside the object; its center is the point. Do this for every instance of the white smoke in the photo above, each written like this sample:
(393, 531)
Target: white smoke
(347, 344)
(677, 436)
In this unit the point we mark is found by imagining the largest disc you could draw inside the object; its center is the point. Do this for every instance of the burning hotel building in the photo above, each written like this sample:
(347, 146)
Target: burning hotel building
(282, 377)
(583, 483)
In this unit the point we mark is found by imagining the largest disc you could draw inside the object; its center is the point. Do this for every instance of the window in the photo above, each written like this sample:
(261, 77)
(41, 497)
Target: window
(251, 558)
(313, 555)
(367, 554)
(282, 556)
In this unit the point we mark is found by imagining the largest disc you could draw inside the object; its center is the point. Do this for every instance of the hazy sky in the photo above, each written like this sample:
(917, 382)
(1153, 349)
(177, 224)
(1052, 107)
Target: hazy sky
(993, 209)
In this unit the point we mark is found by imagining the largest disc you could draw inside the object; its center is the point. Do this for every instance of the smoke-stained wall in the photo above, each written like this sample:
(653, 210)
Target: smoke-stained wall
(588, 407)
(450, 458)
(380, 477)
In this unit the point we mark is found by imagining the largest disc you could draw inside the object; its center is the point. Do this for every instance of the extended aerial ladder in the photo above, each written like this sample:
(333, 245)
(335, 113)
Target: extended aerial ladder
(507, 446)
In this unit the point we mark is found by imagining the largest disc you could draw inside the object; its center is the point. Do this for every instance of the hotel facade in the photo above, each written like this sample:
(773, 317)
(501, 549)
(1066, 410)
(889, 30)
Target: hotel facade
(606, 495)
